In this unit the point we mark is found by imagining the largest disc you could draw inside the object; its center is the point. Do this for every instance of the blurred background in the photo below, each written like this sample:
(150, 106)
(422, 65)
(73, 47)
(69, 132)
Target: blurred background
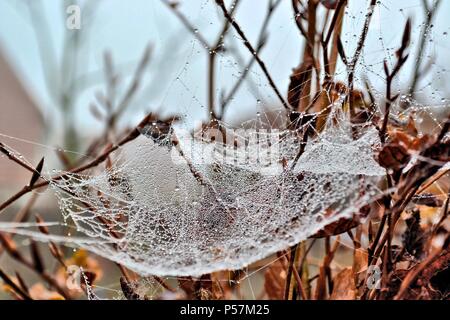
(54, 80)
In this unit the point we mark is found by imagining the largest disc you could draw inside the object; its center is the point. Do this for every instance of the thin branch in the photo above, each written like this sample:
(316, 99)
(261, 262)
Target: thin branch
(298, 19)
(218, 45)
(211, 49)
(334, 29)
(262, 38)
(401, 59)
(351, 65)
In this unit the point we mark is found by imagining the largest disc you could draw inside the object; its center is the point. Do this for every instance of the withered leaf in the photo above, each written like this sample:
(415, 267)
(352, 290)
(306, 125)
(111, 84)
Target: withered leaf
(300, 119)
(360, 260)
(42, 228)
(157, 128)
(320, 105)
(10, 246)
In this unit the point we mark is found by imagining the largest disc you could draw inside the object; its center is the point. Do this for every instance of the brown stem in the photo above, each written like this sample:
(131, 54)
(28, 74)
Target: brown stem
(259, 45)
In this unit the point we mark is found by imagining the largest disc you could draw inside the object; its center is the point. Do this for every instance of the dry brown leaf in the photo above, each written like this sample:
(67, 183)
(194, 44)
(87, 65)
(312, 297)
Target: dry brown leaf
(220, 286)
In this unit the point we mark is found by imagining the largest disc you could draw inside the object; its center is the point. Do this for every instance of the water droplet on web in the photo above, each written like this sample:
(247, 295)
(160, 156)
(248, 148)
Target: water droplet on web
(239, 204)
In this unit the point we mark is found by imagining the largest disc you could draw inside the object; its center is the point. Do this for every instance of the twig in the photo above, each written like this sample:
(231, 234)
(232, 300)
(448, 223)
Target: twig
(133, 87)
(15, 287)
(335, 30)
(287, 288)
(44, 275)
(187, 24)
(218, 44)
(211, 49)
(298, 20)
(300, 284)
(351, 65)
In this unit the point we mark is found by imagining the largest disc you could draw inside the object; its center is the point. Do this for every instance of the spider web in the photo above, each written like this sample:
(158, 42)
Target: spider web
(215, 205)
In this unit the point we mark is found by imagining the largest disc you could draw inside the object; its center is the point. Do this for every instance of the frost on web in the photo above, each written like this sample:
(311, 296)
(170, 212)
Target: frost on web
(202, 205)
